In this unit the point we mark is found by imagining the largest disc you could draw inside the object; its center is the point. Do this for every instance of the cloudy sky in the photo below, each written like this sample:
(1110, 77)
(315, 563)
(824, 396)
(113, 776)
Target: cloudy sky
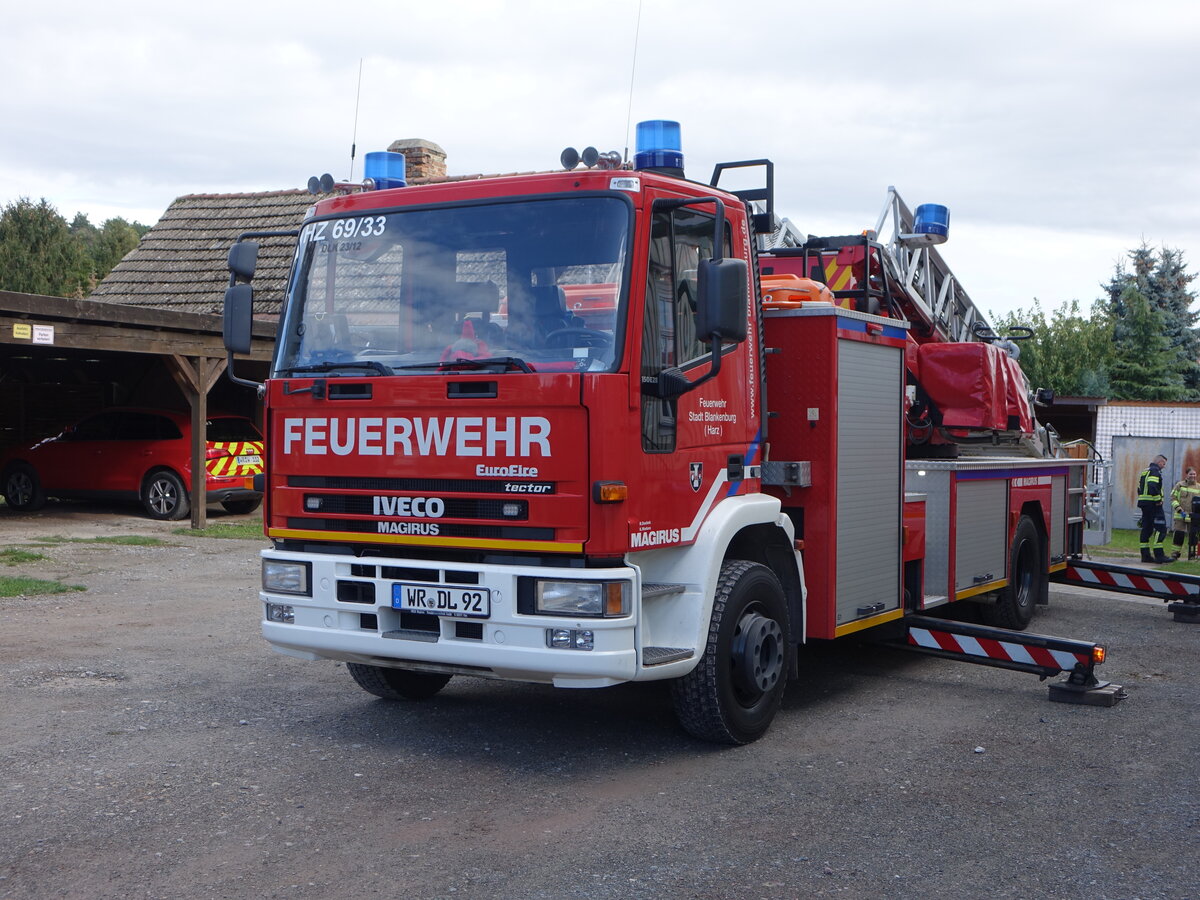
(1060, 133)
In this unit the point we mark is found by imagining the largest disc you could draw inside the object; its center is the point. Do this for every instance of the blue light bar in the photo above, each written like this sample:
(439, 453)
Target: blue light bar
(659, 146)
(385, 168)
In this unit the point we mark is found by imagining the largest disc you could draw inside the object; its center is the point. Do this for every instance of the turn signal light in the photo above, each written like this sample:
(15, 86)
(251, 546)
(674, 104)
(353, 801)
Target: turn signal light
(1097, 655)
(610, 491)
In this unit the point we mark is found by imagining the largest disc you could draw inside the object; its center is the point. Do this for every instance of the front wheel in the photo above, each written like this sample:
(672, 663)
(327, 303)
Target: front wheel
(164, 496)
(732, 695)
(397, 684)
(22, 488)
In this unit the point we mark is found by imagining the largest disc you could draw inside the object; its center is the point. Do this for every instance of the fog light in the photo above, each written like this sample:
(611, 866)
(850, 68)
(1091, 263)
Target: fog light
(510, 510)
(279, 612)
(570, 639)
(312, 503)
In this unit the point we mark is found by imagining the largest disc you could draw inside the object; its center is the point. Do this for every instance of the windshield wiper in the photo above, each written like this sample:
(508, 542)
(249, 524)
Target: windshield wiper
(513, 362)
(371, 364)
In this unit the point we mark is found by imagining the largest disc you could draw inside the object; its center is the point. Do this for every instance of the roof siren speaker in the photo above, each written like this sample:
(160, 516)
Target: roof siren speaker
(569, 158)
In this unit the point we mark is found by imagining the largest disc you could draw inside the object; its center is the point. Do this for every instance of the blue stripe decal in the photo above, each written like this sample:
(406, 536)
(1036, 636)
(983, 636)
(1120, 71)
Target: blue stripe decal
(751, 452)
(889, 331)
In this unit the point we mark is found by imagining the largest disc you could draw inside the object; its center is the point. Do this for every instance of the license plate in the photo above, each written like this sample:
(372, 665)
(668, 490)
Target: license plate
(441, 600)
(249, 460)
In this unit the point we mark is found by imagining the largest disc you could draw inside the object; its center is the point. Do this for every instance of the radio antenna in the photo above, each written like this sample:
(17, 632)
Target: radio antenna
(632, 73)
(354, 133)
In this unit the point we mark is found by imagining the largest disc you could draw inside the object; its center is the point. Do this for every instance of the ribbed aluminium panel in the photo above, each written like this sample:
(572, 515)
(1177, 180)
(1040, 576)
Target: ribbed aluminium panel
(869, 489)
(1059, 504)
(981, 532)
(934, 483)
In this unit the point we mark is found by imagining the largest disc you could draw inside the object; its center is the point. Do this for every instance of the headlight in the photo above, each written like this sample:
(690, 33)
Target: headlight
(286, 577)
(578, 598)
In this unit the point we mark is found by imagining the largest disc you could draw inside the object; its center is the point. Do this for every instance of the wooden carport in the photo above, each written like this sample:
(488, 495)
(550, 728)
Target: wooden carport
(189, 344)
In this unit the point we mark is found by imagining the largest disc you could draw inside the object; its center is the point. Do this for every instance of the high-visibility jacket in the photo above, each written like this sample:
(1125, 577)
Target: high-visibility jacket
(1182, 495)
(1150, 485)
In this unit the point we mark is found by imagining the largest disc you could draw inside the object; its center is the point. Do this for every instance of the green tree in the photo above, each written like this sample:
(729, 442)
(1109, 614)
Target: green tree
(1069, 351)
(116, 238)
(38, 254)
(1162, 279)
(1147, 367)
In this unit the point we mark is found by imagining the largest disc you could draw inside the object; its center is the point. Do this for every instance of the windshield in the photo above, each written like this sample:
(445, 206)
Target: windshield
(534, 285)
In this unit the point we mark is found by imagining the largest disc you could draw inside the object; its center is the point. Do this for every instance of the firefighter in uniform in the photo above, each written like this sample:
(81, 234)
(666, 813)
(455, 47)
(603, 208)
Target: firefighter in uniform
(1182, 496)
(1150, 505)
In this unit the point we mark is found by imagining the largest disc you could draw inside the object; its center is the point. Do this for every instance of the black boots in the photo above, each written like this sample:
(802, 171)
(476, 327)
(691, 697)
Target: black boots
(1146, 557)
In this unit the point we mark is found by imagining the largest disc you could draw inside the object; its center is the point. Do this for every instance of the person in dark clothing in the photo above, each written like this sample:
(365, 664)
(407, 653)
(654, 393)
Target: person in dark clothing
(1150, 505)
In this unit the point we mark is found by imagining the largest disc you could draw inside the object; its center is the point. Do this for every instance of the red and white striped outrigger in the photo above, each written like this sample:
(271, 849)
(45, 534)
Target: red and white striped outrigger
(1181, 592)
(1038, 654)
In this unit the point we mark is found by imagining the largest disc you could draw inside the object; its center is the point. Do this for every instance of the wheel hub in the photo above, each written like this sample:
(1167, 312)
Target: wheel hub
(757, 654)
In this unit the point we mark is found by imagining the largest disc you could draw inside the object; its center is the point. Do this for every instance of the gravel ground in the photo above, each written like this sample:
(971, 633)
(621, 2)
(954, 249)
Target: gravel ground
(153, 746)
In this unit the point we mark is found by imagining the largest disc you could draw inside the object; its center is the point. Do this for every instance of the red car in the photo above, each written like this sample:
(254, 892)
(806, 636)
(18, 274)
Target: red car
(142, 454)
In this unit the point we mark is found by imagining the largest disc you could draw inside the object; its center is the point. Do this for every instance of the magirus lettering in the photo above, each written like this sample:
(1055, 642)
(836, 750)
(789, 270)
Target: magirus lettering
(427, 528)
(654, 538)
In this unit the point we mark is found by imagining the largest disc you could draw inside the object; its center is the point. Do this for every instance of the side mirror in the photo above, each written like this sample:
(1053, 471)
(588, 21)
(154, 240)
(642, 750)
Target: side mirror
(243, 259)
(722, 305)
(239, 304)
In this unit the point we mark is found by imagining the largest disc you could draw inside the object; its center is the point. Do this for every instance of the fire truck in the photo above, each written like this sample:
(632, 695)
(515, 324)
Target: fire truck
(608, 424)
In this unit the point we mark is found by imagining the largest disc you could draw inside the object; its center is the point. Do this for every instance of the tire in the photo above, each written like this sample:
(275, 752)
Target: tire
(23, 488)
(164, 496)
(397, 684)
(733, 693)
(1026, 580)
(241, 507)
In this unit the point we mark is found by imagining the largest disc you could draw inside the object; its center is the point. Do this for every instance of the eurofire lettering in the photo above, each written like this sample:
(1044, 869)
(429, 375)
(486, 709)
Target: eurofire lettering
(396, 435)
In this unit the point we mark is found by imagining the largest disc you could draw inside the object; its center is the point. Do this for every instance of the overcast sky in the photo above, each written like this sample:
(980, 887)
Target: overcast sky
(1059, 133)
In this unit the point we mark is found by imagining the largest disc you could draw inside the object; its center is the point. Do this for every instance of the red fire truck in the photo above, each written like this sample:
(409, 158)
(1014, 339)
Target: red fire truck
(609, 424)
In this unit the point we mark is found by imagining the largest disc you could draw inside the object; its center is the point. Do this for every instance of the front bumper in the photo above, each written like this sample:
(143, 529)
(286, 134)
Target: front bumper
(507, 644)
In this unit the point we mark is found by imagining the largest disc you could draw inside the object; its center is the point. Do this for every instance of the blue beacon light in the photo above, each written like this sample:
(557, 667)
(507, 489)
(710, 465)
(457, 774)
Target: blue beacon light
(385, 169)
(659, 147)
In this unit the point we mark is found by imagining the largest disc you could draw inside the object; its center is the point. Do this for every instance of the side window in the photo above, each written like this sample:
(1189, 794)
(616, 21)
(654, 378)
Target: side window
(679, 239)
(98, 428)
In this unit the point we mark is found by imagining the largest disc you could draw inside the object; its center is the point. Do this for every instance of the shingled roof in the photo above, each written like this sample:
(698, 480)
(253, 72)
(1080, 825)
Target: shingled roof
(180, 263)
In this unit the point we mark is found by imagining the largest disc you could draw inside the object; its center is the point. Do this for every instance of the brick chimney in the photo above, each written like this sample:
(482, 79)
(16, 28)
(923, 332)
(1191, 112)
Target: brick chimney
(422, 159)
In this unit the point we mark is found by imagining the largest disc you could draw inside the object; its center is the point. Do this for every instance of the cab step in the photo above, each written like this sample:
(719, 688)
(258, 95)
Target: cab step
(657, 656)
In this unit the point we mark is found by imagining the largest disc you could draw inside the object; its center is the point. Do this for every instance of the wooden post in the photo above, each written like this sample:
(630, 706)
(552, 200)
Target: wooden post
(195, 377)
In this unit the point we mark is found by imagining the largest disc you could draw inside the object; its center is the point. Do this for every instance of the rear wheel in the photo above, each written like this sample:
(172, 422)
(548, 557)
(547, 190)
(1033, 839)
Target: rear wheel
(241, 507)
(1026, 579)
(732, 695)
(164, 496)
(397, 684)
(22, 488)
